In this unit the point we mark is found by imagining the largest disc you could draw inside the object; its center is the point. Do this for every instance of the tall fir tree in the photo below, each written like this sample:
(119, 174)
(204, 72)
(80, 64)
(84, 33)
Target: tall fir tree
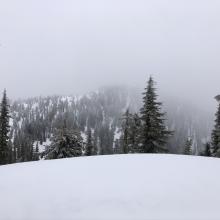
(154, 134)
(4, 131)
(216, 132)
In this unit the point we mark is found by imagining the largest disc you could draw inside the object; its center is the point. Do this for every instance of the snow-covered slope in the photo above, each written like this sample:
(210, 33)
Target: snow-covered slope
(154, 187)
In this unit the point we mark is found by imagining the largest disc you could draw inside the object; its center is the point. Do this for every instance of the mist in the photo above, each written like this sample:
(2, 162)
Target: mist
(66, 47)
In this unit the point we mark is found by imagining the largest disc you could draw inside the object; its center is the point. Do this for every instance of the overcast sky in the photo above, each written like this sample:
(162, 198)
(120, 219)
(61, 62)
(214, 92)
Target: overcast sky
(69, 46)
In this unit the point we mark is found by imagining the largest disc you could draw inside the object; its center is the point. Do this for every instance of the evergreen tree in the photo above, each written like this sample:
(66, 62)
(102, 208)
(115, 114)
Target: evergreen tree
(126, 124)
(216, 132)
(117, 147)
(4, 131)
(89, 144)
(154, 132)
(207, 152)
(32, 153)
(14, 154)
(37, 148)
(66, 143)
(188, 146)
(10, 152)
(106, 139)
(134, 138)
(35, 155)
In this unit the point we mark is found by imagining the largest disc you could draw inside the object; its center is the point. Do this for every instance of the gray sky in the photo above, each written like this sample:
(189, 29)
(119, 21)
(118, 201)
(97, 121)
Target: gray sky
(69, 46)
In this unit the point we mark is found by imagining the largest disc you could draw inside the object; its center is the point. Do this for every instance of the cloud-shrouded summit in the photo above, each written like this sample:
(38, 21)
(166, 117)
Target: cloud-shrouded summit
(65, 47)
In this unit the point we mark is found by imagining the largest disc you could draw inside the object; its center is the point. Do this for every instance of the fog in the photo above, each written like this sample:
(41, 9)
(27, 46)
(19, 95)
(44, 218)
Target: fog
(68, 46)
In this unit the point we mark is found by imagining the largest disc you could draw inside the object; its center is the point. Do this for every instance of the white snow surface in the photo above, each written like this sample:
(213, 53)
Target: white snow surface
(118, 187)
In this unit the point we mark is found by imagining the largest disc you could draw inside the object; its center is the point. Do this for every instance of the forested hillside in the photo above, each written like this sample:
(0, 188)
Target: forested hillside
(34, 121)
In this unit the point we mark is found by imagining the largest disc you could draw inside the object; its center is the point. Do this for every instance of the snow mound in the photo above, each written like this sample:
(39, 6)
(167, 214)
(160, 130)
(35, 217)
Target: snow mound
(134, 187)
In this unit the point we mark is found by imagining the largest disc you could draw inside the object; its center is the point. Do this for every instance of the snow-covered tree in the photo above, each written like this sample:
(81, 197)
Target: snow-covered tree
(4, 131)
(154, 132)
(66, 143)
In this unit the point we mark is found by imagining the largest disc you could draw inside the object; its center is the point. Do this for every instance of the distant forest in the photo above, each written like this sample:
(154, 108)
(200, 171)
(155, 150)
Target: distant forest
(113, 120)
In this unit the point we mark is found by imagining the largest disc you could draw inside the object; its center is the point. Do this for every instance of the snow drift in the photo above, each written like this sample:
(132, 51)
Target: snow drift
(154, 187)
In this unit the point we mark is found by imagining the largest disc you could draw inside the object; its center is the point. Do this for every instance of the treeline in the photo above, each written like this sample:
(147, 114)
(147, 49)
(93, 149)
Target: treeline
(36, 121)
(94, 125)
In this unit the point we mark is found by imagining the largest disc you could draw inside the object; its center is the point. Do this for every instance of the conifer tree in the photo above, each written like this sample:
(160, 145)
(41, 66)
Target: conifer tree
(35, 152)
(207, 151)
(216, 132)
(66, 143)
(154, 134)
(117, 147)
(89, 144)
(14, 153)
(188, 146)
(4, 131)
(126, 123)
(32, 153)
(134, 138)
(10, 152)
(37, 148)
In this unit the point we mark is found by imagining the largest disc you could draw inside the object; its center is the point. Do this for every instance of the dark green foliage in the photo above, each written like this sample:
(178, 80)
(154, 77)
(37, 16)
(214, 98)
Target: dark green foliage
(188, 146)
(66, 143)
(117, 146)
(130, 138)
(216, 134)
(5, 150)
(37, 149)
(154, 134)
(126, 131)
(90, 148)
(106, 139)
(207, 152)
(14, 153)
(35, 152)
(23, 146)
(135, 130)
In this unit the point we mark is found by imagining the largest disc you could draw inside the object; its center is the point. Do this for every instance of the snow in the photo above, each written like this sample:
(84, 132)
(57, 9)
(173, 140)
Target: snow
(25, 105)
(69, 99)
(123, 187)
(84, 136)
(35, 105)
(20, 123)
(128, 101)
(77, 99)
(118, 134)
(42, 147)
(11, 121)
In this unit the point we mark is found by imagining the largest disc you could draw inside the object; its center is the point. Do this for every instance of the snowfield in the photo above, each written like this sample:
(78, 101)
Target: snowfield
(134, 187)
